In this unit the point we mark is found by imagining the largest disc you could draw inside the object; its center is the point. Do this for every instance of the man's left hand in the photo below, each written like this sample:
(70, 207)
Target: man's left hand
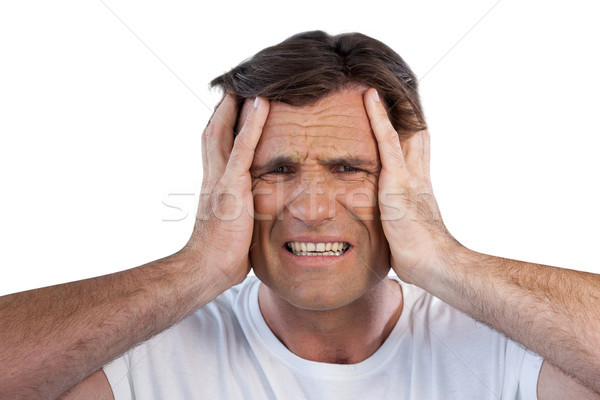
(413, 226)
(544, 308)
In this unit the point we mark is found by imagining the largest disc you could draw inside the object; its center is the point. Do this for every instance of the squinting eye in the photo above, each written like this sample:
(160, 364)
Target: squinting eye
(281, 170)
(346, 168)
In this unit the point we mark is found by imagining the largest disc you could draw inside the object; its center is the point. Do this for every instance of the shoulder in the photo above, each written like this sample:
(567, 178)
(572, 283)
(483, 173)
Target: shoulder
(467, 347)
(196, 337)
(185, 358)
(438, 326)
(214, 325)
(425, 308)
(220, 316)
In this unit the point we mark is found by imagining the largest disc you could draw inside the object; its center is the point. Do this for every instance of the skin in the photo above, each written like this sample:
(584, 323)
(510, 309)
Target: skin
(46, 351)
(552, 311)
(315, 174)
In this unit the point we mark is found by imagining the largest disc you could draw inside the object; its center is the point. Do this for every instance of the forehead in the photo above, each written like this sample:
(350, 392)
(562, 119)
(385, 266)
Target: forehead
(335, 127)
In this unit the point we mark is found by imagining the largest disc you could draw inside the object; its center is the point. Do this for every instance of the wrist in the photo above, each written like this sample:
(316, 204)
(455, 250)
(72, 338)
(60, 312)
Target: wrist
(202, 274)
(442, 270)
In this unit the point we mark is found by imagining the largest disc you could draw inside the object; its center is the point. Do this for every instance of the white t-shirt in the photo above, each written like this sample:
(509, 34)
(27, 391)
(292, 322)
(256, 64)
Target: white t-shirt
(226, 351)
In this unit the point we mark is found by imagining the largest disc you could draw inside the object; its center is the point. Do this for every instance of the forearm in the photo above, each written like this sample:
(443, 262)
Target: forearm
(552, 311)
(52, 338)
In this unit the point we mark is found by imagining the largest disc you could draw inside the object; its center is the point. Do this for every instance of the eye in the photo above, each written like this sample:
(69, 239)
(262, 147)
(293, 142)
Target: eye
(281, 170)
(345, 168)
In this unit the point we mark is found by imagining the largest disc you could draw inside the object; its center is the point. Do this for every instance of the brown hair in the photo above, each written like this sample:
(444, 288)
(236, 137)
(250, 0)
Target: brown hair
(311, 65)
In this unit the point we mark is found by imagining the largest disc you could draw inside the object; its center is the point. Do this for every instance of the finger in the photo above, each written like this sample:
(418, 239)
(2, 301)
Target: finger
(416, 153)
(390, 151)
(426, 153)
(217, 139)
(245, 142)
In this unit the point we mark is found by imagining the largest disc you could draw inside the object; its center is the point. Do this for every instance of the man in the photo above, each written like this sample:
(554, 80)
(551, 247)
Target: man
(316, 176)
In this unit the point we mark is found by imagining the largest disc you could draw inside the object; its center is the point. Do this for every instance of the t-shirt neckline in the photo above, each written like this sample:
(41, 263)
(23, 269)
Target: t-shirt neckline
(264, 337)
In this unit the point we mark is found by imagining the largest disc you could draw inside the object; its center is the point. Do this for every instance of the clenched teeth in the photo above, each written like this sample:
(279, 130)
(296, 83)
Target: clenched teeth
(317, 249)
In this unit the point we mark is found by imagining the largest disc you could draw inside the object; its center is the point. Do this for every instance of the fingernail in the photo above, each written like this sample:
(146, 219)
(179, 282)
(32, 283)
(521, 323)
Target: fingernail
(256, 102)
(376, 96)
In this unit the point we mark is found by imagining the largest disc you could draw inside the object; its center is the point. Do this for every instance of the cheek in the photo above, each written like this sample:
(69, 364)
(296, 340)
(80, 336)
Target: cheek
(379, 250)
(360, 200)
(265, 213)
(268, 201)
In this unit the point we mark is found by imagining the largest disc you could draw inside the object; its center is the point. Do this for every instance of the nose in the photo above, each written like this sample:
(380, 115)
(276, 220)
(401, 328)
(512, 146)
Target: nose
(312, 203)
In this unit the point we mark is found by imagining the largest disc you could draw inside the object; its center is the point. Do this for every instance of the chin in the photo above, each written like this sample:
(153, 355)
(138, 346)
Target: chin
(320, 293)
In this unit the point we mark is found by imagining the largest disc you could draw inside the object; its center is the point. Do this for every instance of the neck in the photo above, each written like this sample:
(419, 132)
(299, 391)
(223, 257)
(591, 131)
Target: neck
(346, 335)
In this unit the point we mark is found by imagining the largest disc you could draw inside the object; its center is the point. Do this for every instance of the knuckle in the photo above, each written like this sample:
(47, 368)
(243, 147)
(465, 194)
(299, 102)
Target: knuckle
(395, 152)
(391, 134)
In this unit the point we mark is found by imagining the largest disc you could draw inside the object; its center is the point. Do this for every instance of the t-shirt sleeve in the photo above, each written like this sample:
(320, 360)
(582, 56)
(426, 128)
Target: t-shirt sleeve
(528, 379)
(118, 376)
(523, 367)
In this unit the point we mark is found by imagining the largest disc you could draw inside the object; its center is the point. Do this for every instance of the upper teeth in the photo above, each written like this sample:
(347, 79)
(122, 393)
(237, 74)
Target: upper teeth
(326, 249)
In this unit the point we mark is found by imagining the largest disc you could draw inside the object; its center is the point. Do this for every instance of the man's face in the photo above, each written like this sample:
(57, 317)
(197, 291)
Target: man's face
(315, 174)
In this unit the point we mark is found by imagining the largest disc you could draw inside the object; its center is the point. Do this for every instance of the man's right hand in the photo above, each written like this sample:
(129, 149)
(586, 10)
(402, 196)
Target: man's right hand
(223, 230)
(52, 338)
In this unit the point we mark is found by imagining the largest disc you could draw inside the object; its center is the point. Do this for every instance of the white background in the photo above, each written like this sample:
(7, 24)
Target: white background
(102, 105)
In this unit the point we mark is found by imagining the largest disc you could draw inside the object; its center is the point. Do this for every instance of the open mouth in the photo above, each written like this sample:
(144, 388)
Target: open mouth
(317, 249)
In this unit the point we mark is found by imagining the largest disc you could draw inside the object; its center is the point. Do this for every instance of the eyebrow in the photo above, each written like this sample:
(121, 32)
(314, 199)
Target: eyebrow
(350, 161)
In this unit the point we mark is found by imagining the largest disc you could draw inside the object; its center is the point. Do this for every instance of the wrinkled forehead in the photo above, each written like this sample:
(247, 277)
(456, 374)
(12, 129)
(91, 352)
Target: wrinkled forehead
(336, 126)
